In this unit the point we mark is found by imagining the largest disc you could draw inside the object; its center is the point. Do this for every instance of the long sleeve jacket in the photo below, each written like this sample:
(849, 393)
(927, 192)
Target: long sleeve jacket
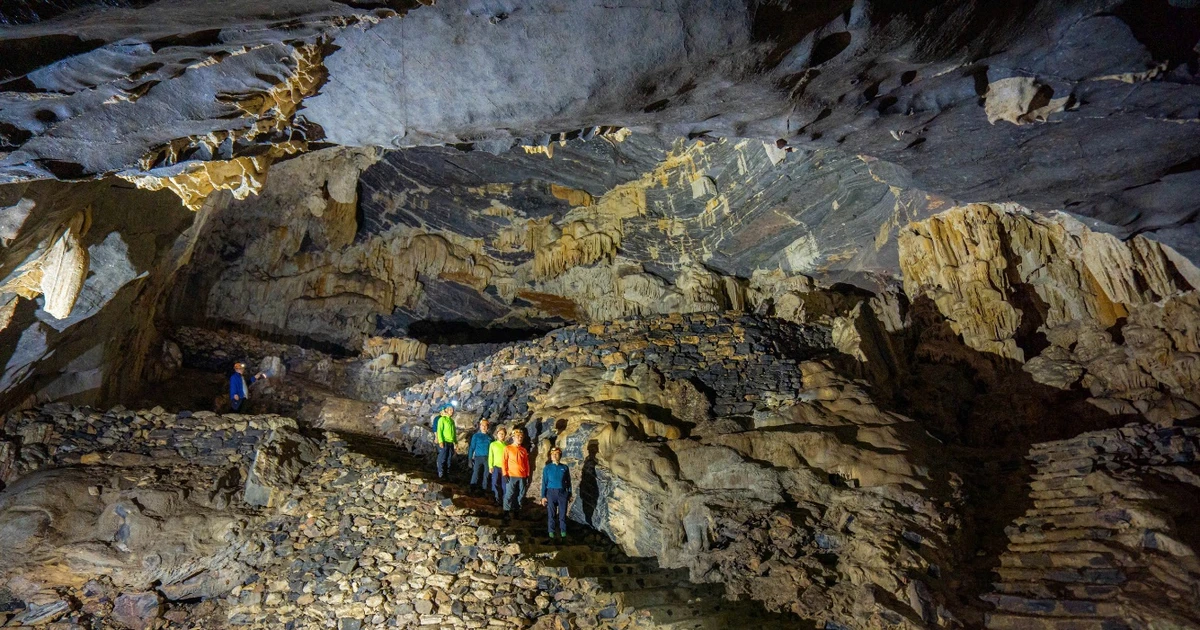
(516, 461)
(238, 384)
(556, 477)
(447, 433)
(479, 444)
(496, 455)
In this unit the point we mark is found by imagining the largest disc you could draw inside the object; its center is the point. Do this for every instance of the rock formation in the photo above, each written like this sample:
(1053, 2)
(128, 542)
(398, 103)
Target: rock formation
(1078, 308)
(849, 314)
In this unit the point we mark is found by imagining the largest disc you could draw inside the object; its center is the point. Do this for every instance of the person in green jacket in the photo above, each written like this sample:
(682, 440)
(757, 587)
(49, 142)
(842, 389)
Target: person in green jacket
(496, 463)
(445, 435)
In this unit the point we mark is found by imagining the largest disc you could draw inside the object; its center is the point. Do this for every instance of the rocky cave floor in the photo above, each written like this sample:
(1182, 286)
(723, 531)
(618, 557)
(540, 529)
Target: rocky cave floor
(354, 534)
(696, 509)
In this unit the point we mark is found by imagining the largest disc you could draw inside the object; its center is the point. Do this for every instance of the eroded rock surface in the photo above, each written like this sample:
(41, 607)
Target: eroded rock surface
(1079, 308)
(158, 533)
(188, 97)
(794, 511)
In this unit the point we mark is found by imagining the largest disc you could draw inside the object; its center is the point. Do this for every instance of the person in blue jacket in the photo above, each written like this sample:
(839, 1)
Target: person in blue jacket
(477, 454)
(239, 389)
(556, 493)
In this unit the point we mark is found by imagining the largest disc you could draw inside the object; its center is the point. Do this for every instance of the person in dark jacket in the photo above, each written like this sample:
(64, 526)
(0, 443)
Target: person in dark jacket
(556, 493)
(477, 454)
(239, 389)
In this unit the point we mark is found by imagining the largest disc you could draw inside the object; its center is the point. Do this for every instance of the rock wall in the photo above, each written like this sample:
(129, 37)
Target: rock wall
(363, 379)
(144, 519)
(81, 274)
(716, 444)
(126, 513)
(607, 228)
(795, 510)
(1079, 309)
(732, 358)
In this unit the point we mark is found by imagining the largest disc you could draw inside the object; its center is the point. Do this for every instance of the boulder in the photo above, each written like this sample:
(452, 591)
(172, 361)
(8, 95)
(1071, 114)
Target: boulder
(278, 461)
(137, 610)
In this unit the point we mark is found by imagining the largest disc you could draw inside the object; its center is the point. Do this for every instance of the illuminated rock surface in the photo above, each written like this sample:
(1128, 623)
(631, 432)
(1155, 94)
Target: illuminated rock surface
(845, 314)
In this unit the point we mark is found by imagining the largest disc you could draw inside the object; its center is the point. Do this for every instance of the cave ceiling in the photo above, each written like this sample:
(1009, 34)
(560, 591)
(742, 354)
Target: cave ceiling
(1088, 106)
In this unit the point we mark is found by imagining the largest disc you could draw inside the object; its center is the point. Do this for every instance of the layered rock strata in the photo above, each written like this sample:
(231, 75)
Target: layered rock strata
(1110, 539)
(190, 97)
(736, 359)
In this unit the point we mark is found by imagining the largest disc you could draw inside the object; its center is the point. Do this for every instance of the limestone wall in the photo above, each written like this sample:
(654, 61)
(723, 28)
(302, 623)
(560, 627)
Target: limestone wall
(1080, 309)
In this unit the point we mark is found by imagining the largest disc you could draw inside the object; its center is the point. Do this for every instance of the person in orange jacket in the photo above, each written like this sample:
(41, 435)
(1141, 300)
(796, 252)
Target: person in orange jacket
(516, 472)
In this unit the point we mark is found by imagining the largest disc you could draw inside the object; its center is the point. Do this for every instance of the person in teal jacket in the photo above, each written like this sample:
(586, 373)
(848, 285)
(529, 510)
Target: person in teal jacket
(445, 435)
(556, 493)
(477, 455)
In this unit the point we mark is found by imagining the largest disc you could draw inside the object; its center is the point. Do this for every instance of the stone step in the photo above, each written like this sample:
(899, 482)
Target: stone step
(1054, 466)
(1100, 519)
(1075, 546)
(690, 594)
(1102, 576)
(1057, 590)
(1056, 559)
(1042, 512)
(611, 569)
(1058, 483)
(1066, 502)
(1054, 535)
(633, 582)
(719, 614)
(1053, 607)
(1009, 621)
(1079, 491)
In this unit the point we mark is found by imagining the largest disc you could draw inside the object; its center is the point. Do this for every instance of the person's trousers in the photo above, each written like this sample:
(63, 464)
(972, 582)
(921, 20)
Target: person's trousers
(237, 404)
(479, 474)
(443, 459)
(556, 509)
(498, 483)
(514, 492)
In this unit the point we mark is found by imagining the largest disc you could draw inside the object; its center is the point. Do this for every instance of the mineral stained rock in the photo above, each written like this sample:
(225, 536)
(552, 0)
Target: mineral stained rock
(964, 99)
(1078, 308)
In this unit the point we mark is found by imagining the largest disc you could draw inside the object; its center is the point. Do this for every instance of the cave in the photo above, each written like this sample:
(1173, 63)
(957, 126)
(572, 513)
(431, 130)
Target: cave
(840, 314)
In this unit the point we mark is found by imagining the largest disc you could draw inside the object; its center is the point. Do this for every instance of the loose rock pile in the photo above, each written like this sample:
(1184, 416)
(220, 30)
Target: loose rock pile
(362, 378)
(736, 357)
(711, 444)
(272, 529)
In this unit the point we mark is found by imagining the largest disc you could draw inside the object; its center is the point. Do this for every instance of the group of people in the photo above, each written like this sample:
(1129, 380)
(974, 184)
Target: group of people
(499, 464)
